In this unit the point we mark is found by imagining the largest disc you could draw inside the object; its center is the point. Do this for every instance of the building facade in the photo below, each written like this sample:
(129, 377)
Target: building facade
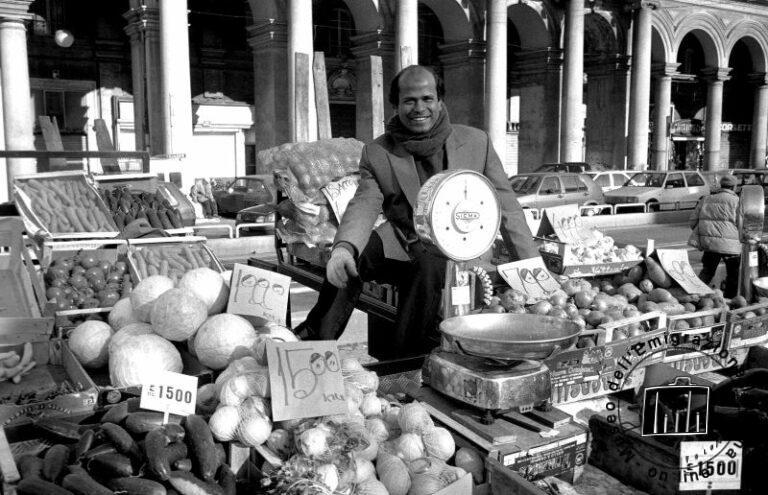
(625, 83)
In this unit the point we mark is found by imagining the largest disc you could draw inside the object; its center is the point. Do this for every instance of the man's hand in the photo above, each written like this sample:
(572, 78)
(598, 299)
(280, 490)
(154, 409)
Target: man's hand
(340, 267)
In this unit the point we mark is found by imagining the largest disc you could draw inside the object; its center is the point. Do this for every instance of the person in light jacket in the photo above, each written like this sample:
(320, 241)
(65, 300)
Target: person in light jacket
(716, 223)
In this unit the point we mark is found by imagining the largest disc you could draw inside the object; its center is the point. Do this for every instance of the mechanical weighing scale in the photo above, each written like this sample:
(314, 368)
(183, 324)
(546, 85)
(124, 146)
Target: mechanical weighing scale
(491, 361)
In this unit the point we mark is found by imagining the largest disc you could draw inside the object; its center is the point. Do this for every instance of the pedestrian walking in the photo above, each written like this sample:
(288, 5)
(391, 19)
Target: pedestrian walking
(716, 224)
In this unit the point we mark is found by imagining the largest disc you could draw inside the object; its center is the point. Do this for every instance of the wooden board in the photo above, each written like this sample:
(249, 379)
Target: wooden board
(104, 143)
(301, 98)
(321, 97)
(52, 139)
(377, 96)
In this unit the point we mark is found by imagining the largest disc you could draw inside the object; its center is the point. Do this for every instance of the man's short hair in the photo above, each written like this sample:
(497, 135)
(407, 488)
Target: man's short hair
(394, 86)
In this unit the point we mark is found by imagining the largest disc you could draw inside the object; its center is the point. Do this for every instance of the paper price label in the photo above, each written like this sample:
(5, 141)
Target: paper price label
(753, 259)
(710, 465)
(170, 392)
(339, 193)
(259, 295)
(530, 277)
(675, 263)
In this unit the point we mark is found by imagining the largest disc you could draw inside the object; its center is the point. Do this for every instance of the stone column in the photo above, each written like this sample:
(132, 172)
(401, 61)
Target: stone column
(364, 46)
(462, 63)
(144, 31)
(406, 34)
(300, 31)
(18, 121)
(496, 75)
(175, 79)
(620, 112)
(715, 77)
(757, 148)
(661, 115)
(269, 42)
(640, 86)
(573, 83)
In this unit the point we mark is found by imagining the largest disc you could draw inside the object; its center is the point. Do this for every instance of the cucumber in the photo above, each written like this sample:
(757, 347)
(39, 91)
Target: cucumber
(104, 448)
(30, 466)
(174, 432)
(203, 448)
(141, 422)
(221, 454)
(121, 440)
(66, 430)
(136, 486)
(111, 466)
(154, 448)
(183, 465)
(54, 462)
(36, 486)
(80, 484)
(84, 444)
(188, 484)
(227, 480)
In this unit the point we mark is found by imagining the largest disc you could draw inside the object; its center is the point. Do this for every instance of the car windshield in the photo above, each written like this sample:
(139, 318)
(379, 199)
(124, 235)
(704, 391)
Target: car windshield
(645, 179)
(525, 184)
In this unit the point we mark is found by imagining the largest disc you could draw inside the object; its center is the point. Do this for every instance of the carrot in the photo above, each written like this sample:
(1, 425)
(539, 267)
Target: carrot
(191, 257)
(141, 264)
(199, 259)
(164, 267)
(82, 215)
(73, 220)
(152, 270)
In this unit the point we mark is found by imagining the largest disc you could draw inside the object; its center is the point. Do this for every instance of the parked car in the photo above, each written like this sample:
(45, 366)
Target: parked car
(262, 215)
(542, 190)
(576, 167)
(610, 179)
(661, 190)
(713, 177)
(752, 176)
(244, 192)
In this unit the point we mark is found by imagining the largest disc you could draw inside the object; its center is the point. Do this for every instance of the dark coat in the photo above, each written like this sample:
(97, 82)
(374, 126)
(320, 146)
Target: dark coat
(389, 182)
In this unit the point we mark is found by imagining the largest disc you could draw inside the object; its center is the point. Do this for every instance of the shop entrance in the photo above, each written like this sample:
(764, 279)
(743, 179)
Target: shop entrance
(688, 145)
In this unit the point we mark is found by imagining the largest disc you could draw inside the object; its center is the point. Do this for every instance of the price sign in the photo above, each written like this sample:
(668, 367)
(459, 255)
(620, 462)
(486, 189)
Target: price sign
(171, 393)
(305, 379)
(530, 277)
(675, 263)
(565, 222)
(339, 193)
(713, 465)
(259, 295)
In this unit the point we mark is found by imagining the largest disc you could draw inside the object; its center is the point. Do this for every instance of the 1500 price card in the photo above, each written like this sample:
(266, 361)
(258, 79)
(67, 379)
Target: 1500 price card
(170, 392)
(305, 379)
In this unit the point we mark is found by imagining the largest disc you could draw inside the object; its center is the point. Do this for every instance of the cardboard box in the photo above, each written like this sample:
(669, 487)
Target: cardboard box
(462, 486)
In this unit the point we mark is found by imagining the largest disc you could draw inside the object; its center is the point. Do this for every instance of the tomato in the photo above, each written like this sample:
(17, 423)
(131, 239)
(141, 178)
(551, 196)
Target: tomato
(78, 281)
(66, 263)
(91, 303)
(87, 292)
(109, 298)
(94, 272)
(97, 283)
(120, 267)
(63, 303)
(56, 271)
(77, 298)
(88, 260)
(105, 266)
(53, 293)
(67, 290)
(112, 286)
(114, 278)
(78, 270)
(58, 282)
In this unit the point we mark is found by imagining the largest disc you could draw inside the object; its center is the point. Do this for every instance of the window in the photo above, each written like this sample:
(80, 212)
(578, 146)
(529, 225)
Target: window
(550, 185)
(572, 184)
(646, 179)
(603, 180)
(674, 181)
(525, 184)
(619, 179)
(694, 180)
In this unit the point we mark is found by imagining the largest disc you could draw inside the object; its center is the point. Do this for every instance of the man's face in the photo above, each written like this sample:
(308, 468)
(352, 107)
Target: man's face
(418, 106)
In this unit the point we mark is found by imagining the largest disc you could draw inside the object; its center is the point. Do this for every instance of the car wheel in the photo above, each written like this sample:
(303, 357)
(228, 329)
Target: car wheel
(652, 205)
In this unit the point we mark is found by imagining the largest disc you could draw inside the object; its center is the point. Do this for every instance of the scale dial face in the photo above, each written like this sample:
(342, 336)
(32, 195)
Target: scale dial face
(462, 212)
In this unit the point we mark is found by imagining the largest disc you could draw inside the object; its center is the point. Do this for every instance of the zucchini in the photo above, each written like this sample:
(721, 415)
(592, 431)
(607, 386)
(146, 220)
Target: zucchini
(136, 486)
(54, 462)
(80, 484)
(174, 432)
(36, 486)
(154, 447)
(117, 413)
(188, 484)
(84, 444)
(66, 430)
(227, 480)
(121, 440)
(203, 448)
(77, 469)
(104, 448)
(111, 466)
(30, 466)
(221, 454)
(141, 422)
(182, 465)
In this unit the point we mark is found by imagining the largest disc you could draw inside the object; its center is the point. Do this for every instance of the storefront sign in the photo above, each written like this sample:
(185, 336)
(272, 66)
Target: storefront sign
(731, 127)
(259, 295)
(712, 465)
(305, 379)
(170, 393)
(687, 127)
(675, 263)
(530, 277)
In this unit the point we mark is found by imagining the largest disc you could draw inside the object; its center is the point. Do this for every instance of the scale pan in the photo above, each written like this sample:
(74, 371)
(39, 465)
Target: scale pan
(508, 336)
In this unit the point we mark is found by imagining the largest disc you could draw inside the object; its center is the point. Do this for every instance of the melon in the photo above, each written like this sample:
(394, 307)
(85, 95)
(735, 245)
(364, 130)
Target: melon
(129, 331)
(223, 338)
(177, 314)
(122, 314)
(138, 359)
(89, 342)
(146, 292)
(208, 286)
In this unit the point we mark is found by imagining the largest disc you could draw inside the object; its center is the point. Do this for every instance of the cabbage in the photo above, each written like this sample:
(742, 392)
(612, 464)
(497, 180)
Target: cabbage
(140, 358)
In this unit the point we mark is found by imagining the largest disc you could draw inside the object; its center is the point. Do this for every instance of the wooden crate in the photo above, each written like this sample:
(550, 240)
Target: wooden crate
(36, 227)
(556, 262)
(175, 243)
(749, 331)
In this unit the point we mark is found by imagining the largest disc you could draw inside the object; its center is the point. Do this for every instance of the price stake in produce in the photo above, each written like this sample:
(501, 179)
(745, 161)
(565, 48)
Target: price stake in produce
(710, 465)
(675, 263)
(170, 393)
(259, 295)
(565, 222)
(305, 379)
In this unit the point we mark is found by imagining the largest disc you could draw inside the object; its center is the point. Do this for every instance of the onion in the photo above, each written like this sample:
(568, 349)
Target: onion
(313, 442)
(439, 443)
(371, 487)
(255, 405)
(414, 418)
(409, 447)
(352, 392)
(371, 405)
(279, 442)
(364, 470)
(377, 428)
(425, 484)
(393, 474)
(254, 430)
(224, 423)
(370, 448)
(329, 476)
(469, 460)
(350, 364)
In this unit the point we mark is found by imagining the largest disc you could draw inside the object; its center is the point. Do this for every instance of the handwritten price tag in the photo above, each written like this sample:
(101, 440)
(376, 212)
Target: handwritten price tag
(305, 379)
(675, 263)
(339, 193)
(169, 392)
(259, 295)
(530, 277)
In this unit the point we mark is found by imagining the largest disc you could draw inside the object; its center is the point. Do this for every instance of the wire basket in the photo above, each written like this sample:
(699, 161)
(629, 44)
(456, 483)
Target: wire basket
(761, 286)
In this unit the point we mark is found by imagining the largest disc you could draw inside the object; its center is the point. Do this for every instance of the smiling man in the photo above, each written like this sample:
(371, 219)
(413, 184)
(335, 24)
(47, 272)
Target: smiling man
(419, 142)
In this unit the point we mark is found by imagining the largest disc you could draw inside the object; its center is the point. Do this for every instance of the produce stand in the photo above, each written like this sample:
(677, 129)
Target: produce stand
(152, 256)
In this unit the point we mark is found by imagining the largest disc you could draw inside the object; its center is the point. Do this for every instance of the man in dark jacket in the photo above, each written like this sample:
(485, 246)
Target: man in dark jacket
(716, 222)
(419, 142)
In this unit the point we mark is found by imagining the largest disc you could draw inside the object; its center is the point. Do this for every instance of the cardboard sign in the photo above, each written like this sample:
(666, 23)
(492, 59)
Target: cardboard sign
(710, 465)
(305, 379)
(259, 295)
(565, 222)
(675, 263)
(530, 277)
(339, 193)
(171, 393)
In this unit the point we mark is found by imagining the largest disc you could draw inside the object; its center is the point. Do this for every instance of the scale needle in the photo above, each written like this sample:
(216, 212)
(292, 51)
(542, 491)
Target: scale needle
(688, 414)
(656, 414)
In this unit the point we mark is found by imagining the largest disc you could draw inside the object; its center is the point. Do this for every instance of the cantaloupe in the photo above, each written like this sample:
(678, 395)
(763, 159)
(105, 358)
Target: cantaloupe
(139, 358)
(177, 314)
(89, 342)
(146, 292)
(223, 338)
(208, 286)
(122, 314)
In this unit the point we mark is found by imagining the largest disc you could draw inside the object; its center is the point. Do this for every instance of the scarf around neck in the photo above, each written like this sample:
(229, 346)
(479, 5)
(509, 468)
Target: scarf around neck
(421, 145)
